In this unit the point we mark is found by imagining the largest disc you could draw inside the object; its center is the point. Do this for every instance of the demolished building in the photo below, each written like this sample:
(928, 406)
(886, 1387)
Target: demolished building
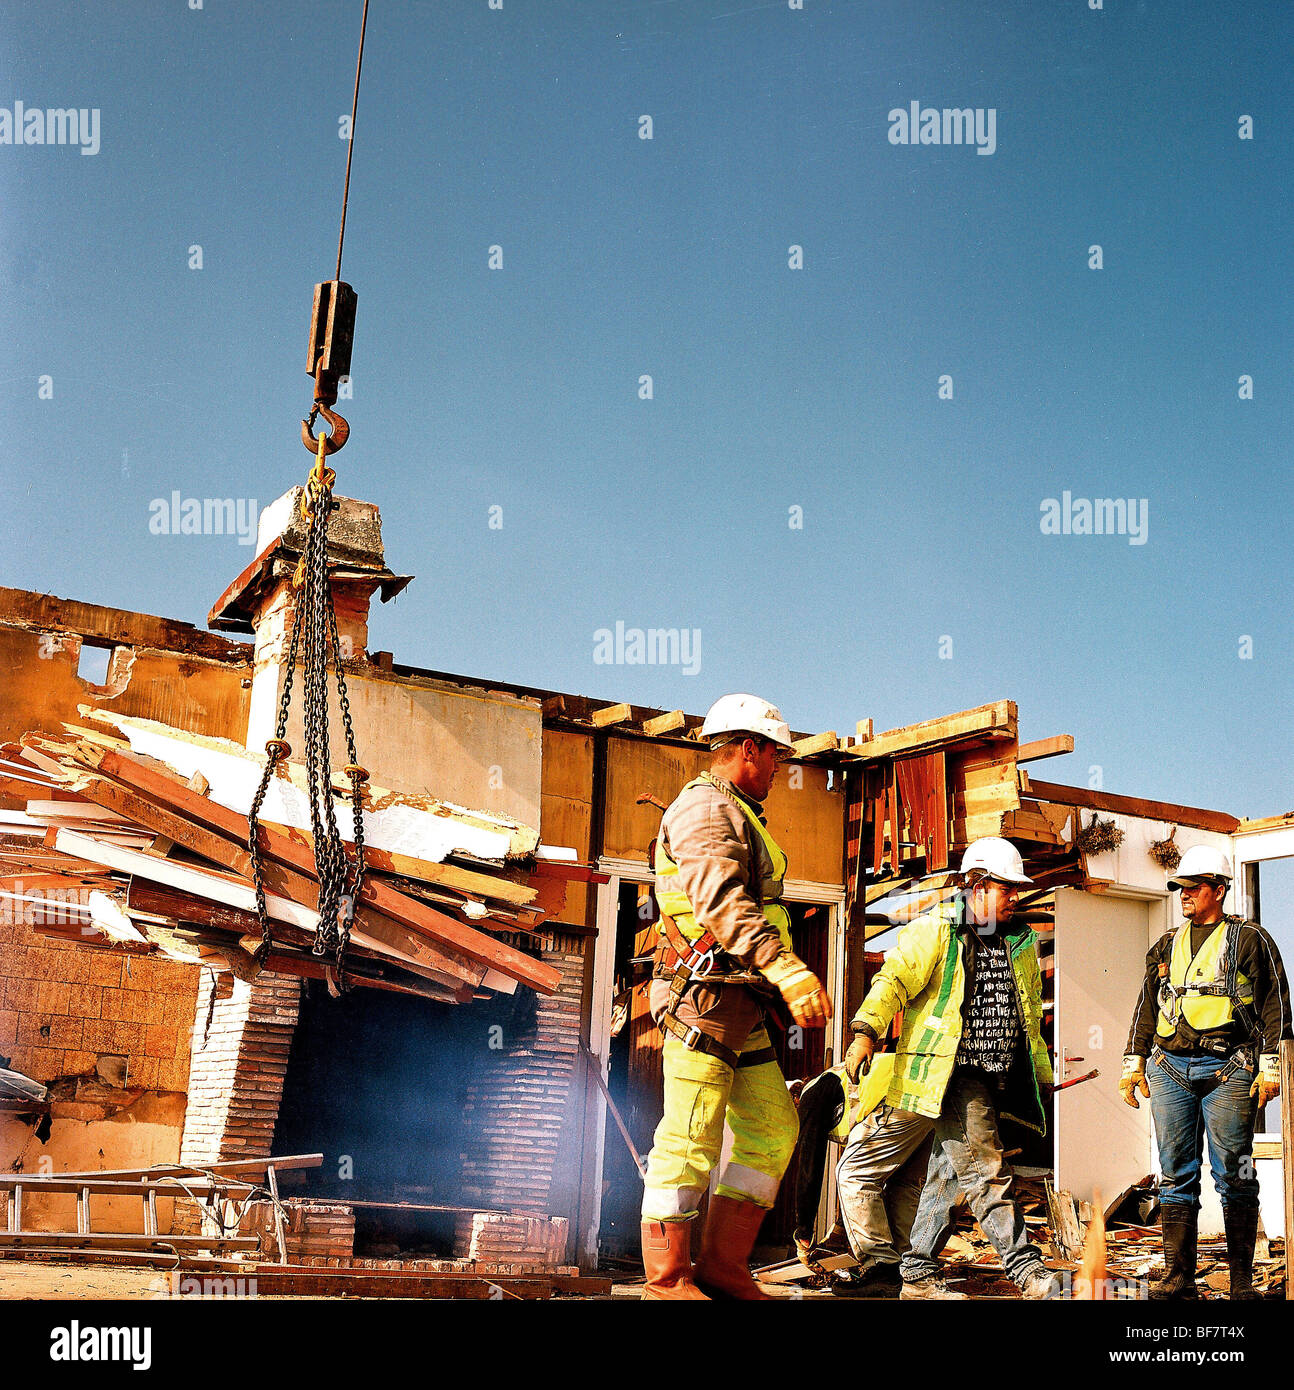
(453, 1092)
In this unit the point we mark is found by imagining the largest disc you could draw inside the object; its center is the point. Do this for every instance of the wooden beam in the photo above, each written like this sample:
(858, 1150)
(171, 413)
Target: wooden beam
(1282, 822)
(410, 949)
(449, 967)
(993, 721)
(611, 714)
(1194, 816)
(665, 723)
(297, 853)
(817, 743)
(1045, 748)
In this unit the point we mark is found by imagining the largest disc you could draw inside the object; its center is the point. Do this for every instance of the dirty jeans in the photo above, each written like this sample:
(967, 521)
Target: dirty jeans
(1186, 1104)
(879, 1177)
(701, 1092)
(967, 1154)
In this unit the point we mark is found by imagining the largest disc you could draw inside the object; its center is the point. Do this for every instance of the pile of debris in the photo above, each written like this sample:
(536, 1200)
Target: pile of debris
(135, 838)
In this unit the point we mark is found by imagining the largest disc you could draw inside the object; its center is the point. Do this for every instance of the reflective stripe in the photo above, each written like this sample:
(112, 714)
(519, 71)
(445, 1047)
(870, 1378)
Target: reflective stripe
(670, 1203)
(749, 1182)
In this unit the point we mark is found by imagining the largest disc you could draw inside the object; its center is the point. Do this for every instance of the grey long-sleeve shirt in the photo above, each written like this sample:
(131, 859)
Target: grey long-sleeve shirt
(725, 870)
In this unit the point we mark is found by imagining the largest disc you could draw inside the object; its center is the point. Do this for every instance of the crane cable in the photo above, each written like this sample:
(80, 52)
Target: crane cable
(315, 639)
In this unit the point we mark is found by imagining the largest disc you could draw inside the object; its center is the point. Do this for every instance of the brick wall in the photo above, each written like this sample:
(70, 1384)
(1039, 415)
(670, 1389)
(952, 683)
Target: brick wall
(517, 1115)
(63, 1006)
(312, 1230)
(242, 1032)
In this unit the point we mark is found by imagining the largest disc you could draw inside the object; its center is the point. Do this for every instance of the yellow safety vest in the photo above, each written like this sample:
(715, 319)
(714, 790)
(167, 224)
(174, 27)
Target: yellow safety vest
(1197, 989)
(674, 902)
(862, 1099)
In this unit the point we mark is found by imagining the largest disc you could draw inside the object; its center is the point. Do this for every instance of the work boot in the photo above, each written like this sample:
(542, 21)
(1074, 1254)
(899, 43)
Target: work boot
(933, 1287)
(723, 1267)
(667, 1260)
(1178, 1223)
(1040, 1283)
(1241, 1224)
(876, 1281)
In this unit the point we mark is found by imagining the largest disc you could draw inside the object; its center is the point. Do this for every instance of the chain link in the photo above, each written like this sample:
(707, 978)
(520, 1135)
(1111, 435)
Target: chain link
(314, 632)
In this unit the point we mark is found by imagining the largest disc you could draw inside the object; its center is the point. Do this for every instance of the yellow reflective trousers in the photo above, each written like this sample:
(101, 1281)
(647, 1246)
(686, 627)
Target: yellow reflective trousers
(701, 1092)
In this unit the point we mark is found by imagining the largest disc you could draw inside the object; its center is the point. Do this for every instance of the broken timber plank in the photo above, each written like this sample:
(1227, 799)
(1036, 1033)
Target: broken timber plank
(297, 854)
(665, 723)
(410, 950)
(451, 968)
(1045, 748)
(1194, 816)
(816, 743)
(995, 721)
(611, 714)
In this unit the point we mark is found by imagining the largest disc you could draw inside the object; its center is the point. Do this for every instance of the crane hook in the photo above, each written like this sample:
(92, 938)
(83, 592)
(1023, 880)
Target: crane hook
(331, 442)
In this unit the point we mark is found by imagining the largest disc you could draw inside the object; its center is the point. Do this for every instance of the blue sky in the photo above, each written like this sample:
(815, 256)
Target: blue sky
(773, 388)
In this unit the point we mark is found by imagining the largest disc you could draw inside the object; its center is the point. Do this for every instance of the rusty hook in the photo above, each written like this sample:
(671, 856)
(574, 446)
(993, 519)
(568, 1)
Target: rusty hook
(333, 441)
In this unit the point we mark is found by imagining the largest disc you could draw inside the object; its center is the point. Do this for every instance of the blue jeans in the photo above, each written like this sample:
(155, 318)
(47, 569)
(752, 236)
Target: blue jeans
(1187, 1101)
(968, 1155)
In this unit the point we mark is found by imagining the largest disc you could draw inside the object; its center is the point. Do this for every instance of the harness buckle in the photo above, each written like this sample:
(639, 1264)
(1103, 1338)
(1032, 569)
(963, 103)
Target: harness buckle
(689, 1039)
(699, 964)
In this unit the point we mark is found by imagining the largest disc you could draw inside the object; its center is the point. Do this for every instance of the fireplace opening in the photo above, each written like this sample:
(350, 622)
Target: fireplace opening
(385, 1086)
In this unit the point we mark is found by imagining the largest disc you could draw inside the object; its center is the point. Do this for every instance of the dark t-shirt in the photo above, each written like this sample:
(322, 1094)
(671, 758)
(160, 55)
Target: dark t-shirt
(991, 1027)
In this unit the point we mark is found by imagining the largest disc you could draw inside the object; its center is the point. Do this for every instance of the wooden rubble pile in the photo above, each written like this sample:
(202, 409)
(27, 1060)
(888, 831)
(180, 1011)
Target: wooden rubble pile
(1133, 1255)
(135, 838)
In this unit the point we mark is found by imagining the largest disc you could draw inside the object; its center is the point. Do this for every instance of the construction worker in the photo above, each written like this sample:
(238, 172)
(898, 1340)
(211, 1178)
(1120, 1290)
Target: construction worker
(971, 1047)
(879, 1176)
(1204, 1047)
(724, 956)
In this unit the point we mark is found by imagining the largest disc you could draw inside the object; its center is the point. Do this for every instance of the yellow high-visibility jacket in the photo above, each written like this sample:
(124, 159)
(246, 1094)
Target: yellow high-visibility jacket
(924, 975)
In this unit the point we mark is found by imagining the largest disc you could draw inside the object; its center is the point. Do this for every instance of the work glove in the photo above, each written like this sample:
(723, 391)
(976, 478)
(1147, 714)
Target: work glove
(1134, 1080)
(1267, 1082)
(858, 1058)
(800, 988)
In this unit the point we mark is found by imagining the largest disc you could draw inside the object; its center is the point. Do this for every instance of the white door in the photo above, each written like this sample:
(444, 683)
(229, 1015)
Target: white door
(1102, 1145)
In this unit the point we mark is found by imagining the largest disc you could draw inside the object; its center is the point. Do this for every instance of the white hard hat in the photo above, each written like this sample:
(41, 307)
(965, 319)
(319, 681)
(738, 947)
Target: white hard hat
(1202, 861)
(746, 714)
(996, 857)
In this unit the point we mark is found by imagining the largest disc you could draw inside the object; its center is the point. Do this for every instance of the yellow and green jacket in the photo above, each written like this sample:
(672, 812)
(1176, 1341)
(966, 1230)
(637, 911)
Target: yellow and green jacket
(924, 976)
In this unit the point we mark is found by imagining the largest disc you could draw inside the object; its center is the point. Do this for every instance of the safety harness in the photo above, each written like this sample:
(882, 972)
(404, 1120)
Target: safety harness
(1224, 985)
(687, 961)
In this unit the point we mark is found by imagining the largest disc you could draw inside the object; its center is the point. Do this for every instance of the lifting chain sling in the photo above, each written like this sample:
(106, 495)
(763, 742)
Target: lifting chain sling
(314, 639)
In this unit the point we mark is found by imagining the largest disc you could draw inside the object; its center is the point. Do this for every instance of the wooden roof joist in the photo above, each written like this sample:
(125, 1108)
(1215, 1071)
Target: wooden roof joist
(1196, 817)
(987, 723)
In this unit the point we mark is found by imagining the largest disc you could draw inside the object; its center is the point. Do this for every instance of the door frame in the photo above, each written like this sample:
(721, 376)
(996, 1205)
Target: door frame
(620, 871)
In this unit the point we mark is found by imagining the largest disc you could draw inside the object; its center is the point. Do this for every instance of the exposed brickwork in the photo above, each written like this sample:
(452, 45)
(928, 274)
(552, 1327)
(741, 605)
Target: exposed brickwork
(517, 1108)
(528, 1240)
(62, 1006)
(313, 1229)
(242, 1032)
